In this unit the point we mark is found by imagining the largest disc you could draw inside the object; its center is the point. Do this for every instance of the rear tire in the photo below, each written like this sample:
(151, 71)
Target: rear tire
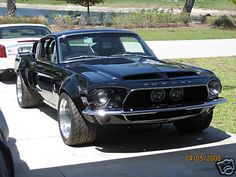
(25, 97)
(194, 124)
(74, 129)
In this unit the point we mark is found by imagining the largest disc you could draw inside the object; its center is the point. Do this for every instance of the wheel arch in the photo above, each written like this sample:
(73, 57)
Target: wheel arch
(71, 87)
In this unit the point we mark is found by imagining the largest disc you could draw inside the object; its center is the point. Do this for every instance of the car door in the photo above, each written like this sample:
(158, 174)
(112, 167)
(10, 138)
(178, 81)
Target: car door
(45, 68)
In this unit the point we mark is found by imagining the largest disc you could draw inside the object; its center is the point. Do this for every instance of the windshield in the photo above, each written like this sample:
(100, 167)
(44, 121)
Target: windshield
(23, 31)
(77, 47)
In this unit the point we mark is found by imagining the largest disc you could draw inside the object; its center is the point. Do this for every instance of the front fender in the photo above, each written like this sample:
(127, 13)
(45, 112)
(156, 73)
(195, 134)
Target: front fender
(71, 87)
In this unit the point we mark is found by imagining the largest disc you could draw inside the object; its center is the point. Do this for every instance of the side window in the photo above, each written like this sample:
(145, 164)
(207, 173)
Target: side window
(46, 51)
(132, 45)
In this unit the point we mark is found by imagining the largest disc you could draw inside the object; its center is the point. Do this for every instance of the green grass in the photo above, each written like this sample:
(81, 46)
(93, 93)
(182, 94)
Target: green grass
(185, 33)
(225, 69)
(206, 4)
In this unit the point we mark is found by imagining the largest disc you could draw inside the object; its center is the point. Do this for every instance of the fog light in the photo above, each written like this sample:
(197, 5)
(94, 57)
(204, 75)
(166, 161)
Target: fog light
(158, 95)
(176, 94)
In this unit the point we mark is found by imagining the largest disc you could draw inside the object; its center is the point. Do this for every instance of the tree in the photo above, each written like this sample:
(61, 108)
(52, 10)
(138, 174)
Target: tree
(85, 3)
(11, 7)
(188, 6)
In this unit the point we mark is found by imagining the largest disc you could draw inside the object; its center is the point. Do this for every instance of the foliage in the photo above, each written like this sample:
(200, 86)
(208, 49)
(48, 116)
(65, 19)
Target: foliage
(85, 2)
(8, 20)
(74, 20)
(233, 1)
(222, 21)
(147, 19)
(66, 20)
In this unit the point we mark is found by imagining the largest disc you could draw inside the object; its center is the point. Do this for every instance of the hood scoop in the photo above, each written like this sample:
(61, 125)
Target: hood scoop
(142, 76)
(180, 74)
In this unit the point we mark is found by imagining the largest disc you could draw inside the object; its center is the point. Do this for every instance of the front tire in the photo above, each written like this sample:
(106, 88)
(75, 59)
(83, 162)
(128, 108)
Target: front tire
(194, 124)
(25, 98)
(74, 129)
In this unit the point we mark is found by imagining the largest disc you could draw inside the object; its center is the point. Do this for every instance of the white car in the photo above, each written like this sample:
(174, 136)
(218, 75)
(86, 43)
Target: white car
(16, 38)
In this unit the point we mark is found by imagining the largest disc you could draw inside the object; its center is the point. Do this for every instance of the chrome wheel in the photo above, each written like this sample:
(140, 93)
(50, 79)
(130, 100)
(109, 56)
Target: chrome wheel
(19, 89)
(65, 118)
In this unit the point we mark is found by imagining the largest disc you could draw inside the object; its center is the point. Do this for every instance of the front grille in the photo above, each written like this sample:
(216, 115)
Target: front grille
(163, 115)
(141, 99)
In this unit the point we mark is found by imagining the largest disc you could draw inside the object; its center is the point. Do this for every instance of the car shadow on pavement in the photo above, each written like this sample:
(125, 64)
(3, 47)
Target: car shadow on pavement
(141, 138)
(49, 111)
(154, 138)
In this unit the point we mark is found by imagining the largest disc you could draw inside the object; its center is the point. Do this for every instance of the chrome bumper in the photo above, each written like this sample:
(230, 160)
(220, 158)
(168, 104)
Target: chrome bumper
(99, 115)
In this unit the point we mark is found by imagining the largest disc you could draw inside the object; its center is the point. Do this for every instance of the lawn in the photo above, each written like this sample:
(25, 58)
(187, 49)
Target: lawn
(185, 33)
(225, 69)
(206, 4)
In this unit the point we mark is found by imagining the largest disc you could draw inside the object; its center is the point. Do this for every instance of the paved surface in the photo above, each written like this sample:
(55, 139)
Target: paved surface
(38, 150)
(193, 48)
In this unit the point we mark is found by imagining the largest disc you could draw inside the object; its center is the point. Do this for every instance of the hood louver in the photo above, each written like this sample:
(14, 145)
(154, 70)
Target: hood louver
(142, 76)
(180, 74)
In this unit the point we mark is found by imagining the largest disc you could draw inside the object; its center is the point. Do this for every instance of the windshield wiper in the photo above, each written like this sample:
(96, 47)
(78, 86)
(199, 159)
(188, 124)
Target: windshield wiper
(132, 55)
(81, 57)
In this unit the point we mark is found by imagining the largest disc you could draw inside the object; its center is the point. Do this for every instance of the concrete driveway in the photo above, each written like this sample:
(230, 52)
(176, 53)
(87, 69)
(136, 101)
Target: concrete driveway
(145, 151)
(193, 48)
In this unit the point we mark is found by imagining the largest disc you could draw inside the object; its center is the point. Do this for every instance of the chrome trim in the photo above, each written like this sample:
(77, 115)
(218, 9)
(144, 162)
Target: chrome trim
(159, 120)
(102, 113)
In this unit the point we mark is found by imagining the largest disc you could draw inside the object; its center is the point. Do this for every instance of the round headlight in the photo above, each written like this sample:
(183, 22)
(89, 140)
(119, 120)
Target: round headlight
(176, 94)
(214, 88)
(158, 95)
(100, 97)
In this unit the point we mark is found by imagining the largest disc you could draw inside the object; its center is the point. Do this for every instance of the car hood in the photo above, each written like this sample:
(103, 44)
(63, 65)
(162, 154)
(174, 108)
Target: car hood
(132, 69)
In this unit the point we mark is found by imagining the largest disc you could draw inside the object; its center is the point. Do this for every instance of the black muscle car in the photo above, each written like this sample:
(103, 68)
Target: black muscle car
(107, 76)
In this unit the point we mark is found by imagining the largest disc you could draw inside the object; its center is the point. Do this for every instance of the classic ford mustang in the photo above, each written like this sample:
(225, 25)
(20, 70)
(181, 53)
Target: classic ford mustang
(108, 76)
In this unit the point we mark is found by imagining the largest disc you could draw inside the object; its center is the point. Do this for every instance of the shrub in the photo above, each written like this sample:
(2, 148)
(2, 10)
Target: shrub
(148, 18)
(222, 21)
(67, 20)
(37, 20)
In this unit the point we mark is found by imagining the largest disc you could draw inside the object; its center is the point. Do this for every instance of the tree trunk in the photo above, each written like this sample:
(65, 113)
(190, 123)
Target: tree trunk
(11, 7)
(188, 7)
(88, 11)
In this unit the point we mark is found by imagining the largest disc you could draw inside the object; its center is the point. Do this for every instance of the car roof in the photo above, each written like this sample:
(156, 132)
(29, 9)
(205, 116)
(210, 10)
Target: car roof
(87, 31)
(22, 24)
